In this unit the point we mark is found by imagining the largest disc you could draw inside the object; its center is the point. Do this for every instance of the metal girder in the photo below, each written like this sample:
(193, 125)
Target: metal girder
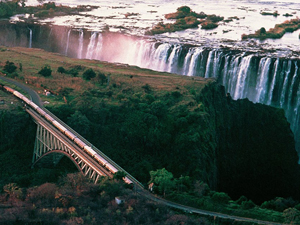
(47, 143)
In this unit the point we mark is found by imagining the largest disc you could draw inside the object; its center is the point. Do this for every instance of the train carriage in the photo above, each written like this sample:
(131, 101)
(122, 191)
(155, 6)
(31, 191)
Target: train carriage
(80, 143)
(33, 105)
(111, 168)
(126, 180)
(59, 126)
(70, 135)
(89, 150)
(41, 112)
(49, 118)
(9, 89)
(100, 160)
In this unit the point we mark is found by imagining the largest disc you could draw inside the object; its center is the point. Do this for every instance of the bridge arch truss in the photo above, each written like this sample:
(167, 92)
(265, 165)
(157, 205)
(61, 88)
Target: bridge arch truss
(50, 148)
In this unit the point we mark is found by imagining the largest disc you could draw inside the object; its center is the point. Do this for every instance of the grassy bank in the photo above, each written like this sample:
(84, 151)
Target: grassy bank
(145, 120)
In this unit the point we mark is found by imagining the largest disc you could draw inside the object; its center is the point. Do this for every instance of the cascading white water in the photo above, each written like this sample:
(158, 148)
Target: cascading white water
(262, 80)
(80, 46)
(30, 38)
(285, 84)
(98, 51)
(289, 104)
(68, 40)
(193, 62)
(91, 46)
(173, 59)
(160, 56)
(241, 77)
(187, 61)
(209, 64)
(274, 75)
(232, 74)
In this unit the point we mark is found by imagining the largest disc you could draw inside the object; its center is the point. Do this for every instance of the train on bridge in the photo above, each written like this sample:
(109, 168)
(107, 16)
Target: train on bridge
(67, 133)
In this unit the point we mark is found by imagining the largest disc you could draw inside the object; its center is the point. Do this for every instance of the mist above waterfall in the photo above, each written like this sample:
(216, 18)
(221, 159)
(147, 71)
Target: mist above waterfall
(136, 17)
(263, 71)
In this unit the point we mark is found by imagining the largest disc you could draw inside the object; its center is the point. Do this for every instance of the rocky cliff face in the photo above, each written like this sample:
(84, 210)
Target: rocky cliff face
(256, 154)
(237, 147)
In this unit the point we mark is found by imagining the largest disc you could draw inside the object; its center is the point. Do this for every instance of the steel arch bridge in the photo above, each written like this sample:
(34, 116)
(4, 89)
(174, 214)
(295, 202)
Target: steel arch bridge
(50, 147)
(49, 150)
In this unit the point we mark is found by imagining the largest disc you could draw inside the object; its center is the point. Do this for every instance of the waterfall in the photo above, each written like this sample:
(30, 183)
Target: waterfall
(187, 61)
(67, 45)
(143, 53)
(160, 56)
(91, 46)
(241, 77)
(260, 78)
(290, 95)
(285, 84)
(209, 64)
(173, 59)
(232, 74)
(80, 46)
(270, 94)
(99, 47)
(30, 38)
(193, 62)
(261, 84)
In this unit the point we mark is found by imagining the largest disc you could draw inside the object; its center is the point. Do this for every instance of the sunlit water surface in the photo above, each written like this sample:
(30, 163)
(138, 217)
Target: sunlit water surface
(136, 17)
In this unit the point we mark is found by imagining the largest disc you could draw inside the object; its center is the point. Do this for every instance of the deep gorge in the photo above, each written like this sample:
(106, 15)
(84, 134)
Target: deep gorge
(260, 77)
(241, 143)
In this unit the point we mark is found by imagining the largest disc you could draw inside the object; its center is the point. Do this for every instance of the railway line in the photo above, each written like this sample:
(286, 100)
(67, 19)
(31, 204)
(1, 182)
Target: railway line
(86, 150)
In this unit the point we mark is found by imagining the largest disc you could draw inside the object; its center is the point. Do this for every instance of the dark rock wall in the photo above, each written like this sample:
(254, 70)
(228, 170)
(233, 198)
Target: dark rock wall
(256, 154)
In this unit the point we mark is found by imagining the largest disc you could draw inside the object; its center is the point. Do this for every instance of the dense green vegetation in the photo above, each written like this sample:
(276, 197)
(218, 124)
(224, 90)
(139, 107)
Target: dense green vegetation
(206, 141)
(48, 9)
(74, 200)
(185, 18)
(277, 32)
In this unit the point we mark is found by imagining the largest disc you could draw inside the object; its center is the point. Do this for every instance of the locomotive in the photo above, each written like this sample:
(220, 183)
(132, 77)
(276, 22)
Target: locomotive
(98, 158)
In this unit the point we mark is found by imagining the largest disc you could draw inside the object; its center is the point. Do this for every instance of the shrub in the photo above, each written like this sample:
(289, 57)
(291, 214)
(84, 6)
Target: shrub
(42, 13)
(247, 204)
(49, 5)
(213, 18)
(176, 94)
(5, 9)
(101, 78)
(9, 67)
(184, 9)
(220, 197)
(88, 74)
(61, 70)
(262, 30)
(45, 71)
(13, 75)
(147, 88)
(208, 25)
(73, 72)
(241, 200)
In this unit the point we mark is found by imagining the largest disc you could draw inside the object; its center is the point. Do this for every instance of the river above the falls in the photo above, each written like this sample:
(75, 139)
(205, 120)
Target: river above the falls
(135, 17)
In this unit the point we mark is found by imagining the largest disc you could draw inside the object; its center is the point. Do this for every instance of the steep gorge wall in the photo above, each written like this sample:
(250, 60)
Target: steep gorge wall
(260, 77)
(256, 156)
(249, 148)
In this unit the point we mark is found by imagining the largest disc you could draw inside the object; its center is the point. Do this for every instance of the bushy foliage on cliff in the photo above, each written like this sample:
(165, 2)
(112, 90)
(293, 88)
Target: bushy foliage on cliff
(74, 200)
(17, 135)
(48, 9)
(253, 152)
(234, 146)
(9, 8)
(277, 32)
(185, 18)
